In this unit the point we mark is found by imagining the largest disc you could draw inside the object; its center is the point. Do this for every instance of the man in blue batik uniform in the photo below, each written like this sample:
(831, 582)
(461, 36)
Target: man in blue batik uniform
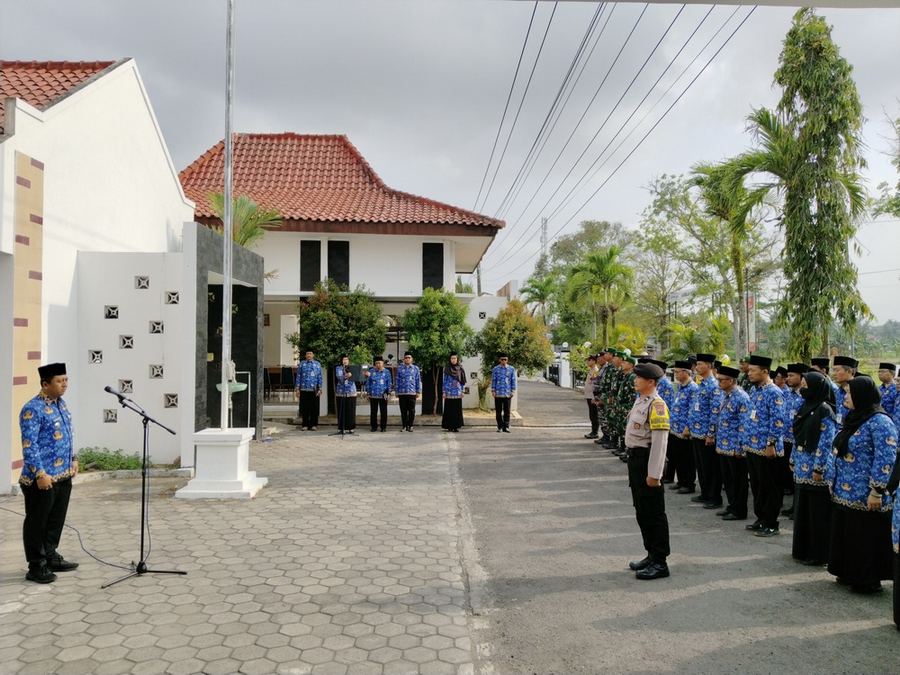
(408, 388)
(308, 386)
(503, 388)
(682, 451)
(763, 442)
(887, 389)
(792, 401)
(378, 390)
(49, 463)
(733, 410)
(703, 434)
(843, 370)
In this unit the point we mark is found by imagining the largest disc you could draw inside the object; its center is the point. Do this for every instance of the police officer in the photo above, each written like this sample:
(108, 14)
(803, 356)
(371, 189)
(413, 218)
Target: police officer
(646, 437)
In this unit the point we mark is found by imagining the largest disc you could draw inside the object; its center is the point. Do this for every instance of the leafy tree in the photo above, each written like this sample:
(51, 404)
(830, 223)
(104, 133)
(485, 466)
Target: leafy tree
(888, 204)
(462, 287)
(601, 282)
(515, 332)
(435, 327)
(630, 337)
(335, 320)
(811, 146)
(540, 292)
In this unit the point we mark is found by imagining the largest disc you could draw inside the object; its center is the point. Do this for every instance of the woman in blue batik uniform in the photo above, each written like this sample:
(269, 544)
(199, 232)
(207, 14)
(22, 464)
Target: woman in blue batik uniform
(345, 390)
(866, 447)
(454, 387)
(814, 428)
(893, 489)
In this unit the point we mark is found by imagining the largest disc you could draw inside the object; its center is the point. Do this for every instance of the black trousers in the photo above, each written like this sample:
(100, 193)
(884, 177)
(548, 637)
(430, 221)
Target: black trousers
(785, 472)
(593, 415)
(378, 405)
(812, 522)
(709, 470)
(683, 454)
(767, 493)
(649, 506)
(737, 483)
(309, 409)
(45, 515)
(502, 412)
(407, 409)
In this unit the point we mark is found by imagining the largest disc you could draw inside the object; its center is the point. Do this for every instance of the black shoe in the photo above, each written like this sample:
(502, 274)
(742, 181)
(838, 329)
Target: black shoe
(787, 512)
(624, 456)
(723, 512)
(674, 486)
(409, 429)
(505, 430)
(867, 589)
(382, 431)
(600, 443)
(685, 491)
(755, 526)
(373, 430)
(813, 563)
(499, 430)
(59, 564)
(731, 516)
(767, 532)
(638, 565)
(591, 435)
(40, 575)
(711, 505)
(699, 499)
(653, 571)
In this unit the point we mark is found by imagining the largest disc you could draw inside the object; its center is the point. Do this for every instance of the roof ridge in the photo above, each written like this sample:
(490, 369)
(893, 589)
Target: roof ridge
(48, 65)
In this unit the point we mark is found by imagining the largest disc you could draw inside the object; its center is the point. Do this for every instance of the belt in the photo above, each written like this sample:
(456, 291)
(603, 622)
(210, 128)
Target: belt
(640, 451)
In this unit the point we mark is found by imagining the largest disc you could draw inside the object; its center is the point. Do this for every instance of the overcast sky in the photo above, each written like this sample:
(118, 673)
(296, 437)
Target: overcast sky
(420, 87)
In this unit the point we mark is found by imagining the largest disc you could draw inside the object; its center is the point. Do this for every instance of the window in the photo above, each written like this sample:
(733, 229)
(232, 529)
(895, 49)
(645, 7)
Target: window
(310, 264)
(339, 262)
(432, 266)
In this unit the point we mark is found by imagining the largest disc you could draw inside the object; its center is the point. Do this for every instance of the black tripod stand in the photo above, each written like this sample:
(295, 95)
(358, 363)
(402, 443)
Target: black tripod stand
(141, 566)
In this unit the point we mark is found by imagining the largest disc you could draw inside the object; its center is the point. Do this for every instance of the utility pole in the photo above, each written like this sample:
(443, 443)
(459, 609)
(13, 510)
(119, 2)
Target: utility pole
(478, 281)
(544, 238)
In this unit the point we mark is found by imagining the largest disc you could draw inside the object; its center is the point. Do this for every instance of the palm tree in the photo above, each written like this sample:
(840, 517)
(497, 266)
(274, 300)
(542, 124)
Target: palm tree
(632, 337)
(727, 199)
(250, 220)
(602, 281)
(539, 292)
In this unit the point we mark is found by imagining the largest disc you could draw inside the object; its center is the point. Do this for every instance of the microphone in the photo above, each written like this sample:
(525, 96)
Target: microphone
(110, 390)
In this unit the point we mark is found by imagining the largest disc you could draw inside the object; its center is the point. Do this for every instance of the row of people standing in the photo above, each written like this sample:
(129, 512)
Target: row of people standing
(839, 439)
(407, 386)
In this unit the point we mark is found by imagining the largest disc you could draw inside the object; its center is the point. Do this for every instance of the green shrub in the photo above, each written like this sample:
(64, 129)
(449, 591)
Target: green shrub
(97, 459)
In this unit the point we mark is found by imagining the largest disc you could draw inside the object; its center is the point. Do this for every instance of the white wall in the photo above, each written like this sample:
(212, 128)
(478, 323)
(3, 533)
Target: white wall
(390, 266)
(108, 279)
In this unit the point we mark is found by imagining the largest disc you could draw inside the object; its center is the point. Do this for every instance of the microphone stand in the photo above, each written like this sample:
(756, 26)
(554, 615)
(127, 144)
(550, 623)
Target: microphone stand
(141, 567)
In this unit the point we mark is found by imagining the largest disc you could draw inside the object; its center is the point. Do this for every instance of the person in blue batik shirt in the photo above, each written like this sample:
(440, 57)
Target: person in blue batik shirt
(682, 450)
(703, 434)
(893, 489)
(453, 389)
(345, 390)
(842, 372)
(733, 410)
(378, 390)
(308, 387)
(408, 387)
(763, 442)
(889, 399)
(792, 402)
(814, 429)
(866, 448)
(49, 464)
(503, 388)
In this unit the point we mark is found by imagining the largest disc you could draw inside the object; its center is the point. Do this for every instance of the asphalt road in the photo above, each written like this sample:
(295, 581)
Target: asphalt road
(552, 531)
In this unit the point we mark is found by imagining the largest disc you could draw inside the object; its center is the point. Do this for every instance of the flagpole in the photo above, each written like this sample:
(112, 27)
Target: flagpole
(227, 216)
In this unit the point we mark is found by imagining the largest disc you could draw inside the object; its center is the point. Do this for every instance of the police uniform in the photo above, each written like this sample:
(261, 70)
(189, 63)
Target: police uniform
(646, 437)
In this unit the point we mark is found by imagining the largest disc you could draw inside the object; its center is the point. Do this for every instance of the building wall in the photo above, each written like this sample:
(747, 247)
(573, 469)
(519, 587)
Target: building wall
(389, 266)
(108, 186)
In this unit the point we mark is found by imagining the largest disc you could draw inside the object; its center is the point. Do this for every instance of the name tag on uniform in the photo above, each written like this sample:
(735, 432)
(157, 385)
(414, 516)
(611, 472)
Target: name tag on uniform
(697, 406)
(753, 415)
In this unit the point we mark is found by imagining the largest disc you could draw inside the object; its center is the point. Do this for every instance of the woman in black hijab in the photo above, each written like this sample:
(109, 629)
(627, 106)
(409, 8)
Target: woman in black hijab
(866, 449)
(454, 388)
(814, 429)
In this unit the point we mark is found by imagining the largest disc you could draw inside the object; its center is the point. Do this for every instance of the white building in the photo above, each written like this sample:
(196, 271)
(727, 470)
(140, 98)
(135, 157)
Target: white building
(342, 222)
(94, 271)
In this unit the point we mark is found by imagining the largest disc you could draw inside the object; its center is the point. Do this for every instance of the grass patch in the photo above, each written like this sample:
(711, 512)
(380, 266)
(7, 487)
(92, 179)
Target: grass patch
(104, 459)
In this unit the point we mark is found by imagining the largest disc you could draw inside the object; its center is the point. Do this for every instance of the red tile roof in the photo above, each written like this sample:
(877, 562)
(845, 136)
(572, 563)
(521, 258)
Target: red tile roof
(314, 178)
(40, 83)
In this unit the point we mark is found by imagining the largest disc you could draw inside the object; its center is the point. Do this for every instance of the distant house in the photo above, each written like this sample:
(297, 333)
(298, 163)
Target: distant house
(340, 222)
(98, 258)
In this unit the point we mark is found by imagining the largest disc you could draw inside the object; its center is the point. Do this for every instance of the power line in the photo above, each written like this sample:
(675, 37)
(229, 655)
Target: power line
(506, 108)
(512, 129)
(644, 138)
